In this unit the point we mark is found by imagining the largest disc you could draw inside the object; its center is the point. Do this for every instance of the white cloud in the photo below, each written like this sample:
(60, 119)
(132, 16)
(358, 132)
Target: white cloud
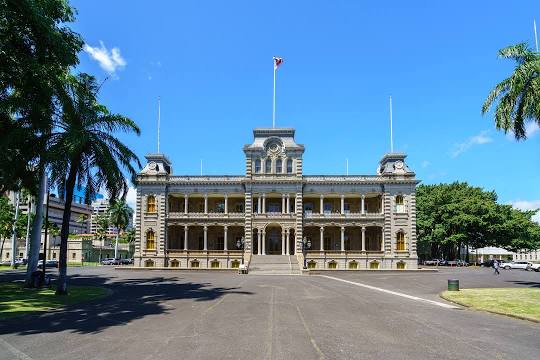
(531, 128)
(110, 61)
(527, 205)
(479, 139)
(131, 197)
(425, 164)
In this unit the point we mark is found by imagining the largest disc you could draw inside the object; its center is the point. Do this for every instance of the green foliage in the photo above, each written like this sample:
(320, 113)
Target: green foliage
(119, 214)
(518, 96)
(450, 216)
(128, 237)
(7, 214)
(36, 51)
(103, 226)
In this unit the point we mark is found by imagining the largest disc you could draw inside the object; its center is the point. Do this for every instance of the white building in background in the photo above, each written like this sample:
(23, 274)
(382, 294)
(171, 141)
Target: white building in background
(101, 207)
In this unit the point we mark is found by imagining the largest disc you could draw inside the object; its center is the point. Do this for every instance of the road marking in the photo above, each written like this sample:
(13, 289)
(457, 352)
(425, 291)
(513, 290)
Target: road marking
(416, 298)
(311, 339)
(18, 354)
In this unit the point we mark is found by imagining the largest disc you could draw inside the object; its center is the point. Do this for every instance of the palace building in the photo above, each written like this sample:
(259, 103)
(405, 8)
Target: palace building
(351, 221)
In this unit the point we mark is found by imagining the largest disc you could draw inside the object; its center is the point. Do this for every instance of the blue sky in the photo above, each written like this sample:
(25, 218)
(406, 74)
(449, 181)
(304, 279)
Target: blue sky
(211, 63)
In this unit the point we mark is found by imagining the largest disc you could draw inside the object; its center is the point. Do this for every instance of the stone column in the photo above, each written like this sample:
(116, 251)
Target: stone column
(288, 204)
(206, 203)
(259, 204)
(264, 204)
(322, 238)
(282, 242)
(343, 238)
(186, 229)
(205, 239)
(259, 242)
(288, 235)
(342, 204)
(225, 238)
(322, 204)
(226, 210)
(363, 211)
(263, 242)
(186, 196)
(363, 238)
(283, 204)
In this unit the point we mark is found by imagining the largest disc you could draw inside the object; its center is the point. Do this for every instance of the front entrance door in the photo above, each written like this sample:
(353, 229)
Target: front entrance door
(273, 242)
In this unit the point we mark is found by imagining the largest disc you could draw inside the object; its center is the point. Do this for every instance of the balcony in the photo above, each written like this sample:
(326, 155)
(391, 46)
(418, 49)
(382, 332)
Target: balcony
(202, 215)
(345, 215)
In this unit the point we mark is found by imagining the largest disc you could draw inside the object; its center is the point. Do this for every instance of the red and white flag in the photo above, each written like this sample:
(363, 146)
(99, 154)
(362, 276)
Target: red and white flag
(277, 62)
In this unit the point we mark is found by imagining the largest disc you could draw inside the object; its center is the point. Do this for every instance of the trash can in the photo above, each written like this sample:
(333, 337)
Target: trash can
(453, 285)
(37, 278)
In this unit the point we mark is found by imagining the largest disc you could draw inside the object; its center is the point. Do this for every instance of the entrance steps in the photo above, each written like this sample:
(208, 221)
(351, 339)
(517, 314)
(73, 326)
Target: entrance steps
(274, 265)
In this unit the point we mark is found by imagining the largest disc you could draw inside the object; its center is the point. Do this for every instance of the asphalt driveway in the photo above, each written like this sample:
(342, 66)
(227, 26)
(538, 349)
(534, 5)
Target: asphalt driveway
(214, 315)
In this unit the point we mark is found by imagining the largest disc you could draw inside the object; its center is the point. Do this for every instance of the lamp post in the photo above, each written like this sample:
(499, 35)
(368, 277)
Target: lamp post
(240, 246)
(306, 245)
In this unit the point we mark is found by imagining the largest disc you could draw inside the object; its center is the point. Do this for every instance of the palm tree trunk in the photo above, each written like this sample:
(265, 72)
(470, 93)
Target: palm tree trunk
(35, 240)
(116, 244)
(14, 236)
(61, 289)
(28, 215)
(2, 247)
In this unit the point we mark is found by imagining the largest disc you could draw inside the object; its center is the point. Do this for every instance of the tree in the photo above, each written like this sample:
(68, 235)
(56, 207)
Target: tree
(102, 230)
(119, 214)
(88, 153)
(36, 51)
(7, 212)
(518, 96)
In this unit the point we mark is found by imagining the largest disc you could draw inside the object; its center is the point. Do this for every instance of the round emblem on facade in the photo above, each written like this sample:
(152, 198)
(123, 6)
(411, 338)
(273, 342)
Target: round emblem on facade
(399, 165)
(152, 165)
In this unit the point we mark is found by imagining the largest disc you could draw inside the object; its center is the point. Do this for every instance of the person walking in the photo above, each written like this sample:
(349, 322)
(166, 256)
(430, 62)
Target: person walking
(496, 267)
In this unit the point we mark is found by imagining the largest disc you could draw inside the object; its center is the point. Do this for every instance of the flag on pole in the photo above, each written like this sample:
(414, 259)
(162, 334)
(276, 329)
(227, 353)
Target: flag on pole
(277, 62)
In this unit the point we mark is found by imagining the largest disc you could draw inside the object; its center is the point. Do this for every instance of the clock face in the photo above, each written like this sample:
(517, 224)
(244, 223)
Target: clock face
(399, 165)
(152, 166)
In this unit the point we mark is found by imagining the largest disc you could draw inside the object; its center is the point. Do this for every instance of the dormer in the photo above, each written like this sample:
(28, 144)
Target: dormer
(393, 164)
(273, 152)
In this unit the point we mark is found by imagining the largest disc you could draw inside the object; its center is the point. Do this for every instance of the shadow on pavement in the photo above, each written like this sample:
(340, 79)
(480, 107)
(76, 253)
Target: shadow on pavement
(131, 299)
(525, 283)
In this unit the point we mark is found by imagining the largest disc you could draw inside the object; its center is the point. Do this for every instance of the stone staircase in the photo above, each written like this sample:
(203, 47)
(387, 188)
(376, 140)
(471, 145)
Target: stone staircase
(274, 265)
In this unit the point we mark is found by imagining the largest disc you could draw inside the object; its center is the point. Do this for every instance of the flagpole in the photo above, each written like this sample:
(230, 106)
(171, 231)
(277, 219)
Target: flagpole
(158, 121)
(535, 35)
(274, 100)
(391, 129)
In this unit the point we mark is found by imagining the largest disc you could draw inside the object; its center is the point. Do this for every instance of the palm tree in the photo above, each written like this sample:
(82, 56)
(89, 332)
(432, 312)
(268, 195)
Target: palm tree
(101, 231)
(87, 153)
(119, 213)
(518, 96)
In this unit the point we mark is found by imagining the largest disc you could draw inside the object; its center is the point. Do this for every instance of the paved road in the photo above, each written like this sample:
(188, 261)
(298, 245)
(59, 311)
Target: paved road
(198, 315)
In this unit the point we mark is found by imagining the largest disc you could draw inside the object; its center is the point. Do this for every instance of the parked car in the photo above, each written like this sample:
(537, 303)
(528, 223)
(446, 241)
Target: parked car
(462, 263)
(452, 263)
(48, 263)
(515, 265)
(111, 261)
(432, 262)
(534, 267)
(126, 261)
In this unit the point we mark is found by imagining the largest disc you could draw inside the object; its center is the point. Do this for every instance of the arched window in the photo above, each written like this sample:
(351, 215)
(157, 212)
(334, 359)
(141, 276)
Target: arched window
(148, 263)
(289, 166)
(279, 167)
(400, 265)
(175, 263)
(400, 241)
(400, 204)
(332, 265)
(268, 166)
(311, 264)
(235, 264)
(195, 264)
(258, 166)
(150, 240)
(353, 265)
(151, 204)
(374, 265)
(214, 264)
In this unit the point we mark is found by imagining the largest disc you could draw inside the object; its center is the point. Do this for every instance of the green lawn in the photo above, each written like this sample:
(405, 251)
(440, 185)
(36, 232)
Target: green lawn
(8, 267)
(518, 302)
(16, 300)
(86, 263)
